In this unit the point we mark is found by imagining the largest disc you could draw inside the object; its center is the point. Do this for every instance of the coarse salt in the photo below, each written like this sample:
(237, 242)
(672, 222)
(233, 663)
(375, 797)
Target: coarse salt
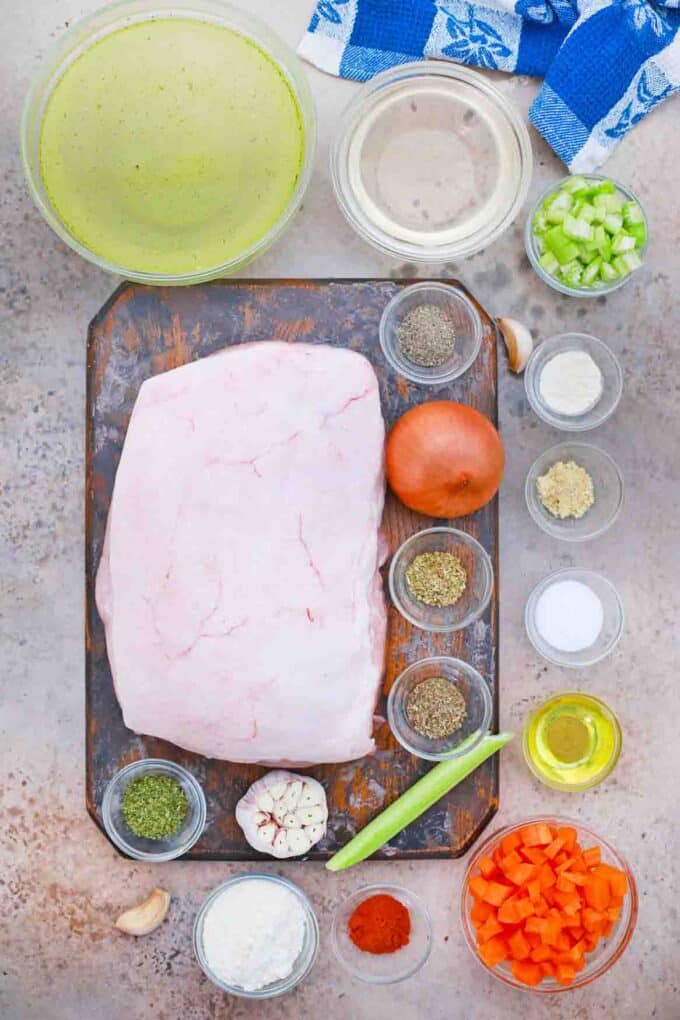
(569, 616)
(253, 933)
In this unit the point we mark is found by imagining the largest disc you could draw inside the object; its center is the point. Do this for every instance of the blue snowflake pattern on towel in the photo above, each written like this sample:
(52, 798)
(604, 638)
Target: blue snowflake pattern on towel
(546, 11)
(647, 17)
(326, 9)
(475, 41)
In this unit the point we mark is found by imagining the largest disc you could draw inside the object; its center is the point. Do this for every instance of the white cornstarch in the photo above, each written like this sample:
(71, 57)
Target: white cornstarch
(253, 934)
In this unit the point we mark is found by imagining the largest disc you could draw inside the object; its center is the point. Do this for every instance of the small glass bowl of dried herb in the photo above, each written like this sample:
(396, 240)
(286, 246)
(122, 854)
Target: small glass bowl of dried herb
(439, 708)
(574, 491)
(441, 579)
(154, 810)
(430, 333)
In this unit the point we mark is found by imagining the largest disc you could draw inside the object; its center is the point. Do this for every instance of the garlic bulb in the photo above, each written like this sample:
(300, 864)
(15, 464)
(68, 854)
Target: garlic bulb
(283, 814)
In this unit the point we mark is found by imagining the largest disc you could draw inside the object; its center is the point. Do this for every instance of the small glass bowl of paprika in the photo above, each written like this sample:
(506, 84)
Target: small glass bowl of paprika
(382, 934)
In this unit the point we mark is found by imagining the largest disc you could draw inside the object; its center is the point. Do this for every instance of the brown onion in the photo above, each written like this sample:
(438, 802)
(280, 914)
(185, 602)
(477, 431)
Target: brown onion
(444, 459)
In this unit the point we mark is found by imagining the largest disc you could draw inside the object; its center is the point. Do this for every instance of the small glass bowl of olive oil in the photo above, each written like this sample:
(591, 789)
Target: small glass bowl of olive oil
(572, 741)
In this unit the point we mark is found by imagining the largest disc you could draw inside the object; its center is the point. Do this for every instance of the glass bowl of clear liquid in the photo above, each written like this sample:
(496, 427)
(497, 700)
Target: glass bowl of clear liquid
(431, 162)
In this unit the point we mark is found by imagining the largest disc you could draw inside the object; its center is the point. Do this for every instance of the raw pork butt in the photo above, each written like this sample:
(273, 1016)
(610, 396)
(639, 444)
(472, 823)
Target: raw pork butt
(239, 582)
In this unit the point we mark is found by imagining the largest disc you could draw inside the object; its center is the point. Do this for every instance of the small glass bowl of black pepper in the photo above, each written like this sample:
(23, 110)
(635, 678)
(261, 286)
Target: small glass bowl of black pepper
(430, 333)
(468, 601)
(444, 724)
(168, 847)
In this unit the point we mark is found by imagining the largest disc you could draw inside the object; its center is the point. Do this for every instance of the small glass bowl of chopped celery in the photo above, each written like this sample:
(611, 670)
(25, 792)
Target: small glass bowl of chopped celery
(607, 492)
(478, 708)
(586, 235)
(155, 850)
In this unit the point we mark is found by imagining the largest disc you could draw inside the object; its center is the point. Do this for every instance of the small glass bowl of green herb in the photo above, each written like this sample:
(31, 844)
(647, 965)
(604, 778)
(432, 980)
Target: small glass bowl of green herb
(154, 810)
(430, 333)
(586, 235)
(441, 579)
(439, 708)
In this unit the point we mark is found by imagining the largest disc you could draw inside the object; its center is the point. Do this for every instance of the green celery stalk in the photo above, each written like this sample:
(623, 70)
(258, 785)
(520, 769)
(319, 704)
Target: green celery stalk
(422, 795)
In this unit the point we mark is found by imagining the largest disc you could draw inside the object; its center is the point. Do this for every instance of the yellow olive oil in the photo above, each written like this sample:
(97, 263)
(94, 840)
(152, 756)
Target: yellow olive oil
(572, 741)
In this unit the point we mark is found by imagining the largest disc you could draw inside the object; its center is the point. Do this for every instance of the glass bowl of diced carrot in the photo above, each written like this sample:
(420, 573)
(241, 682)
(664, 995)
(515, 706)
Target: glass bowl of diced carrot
(548, 905)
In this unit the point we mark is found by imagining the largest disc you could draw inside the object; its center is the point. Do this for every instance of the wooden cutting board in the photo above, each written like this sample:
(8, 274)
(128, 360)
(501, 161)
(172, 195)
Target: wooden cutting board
(142, 331)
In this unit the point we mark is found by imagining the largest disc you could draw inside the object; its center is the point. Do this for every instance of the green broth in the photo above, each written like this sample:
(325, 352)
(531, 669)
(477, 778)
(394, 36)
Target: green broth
(171, 146)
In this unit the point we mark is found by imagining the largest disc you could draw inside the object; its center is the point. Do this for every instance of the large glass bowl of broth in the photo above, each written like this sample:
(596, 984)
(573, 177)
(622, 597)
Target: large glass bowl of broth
(168, 142)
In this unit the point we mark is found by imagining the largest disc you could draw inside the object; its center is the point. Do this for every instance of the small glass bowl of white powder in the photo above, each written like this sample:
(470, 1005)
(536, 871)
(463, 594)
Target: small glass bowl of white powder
(573, 381)
(256, 936)
(574, 617)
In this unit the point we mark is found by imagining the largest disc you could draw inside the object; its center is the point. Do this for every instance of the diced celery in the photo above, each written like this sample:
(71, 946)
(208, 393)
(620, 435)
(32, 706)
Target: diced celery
(575, 183)
(549, 263)
(562, 247)
(578, 230)
(610, 203)
(632, 213)
(587, 212)
(572, 273)
(557, 207)
(639, 232)
(539, 241)
(591, 272)
(627, 263)
(555, 216)
(588, 254)
(613, 223)
(605, 187)
(622, 243)
(540, 222)
(608, 273)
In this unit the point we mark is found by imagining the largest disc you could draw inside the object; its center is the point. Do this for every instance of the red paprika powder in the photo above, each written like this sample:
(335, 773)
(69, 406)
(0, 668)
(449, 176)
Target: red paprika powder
(380, 924)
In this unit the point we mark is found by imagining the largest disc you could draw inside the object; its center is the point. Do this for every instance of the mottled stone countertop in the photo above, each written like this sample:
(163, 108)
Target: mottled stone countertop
(61, 883)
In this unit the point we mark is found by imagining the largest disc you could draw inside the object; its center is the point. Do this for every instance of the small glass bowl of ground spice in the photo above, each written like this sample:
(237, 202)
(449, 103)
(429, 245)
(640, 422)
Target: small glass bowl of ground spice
(441, 579)
(154, 810)
(439, 708)
(382, 934)
(574, 491)
(430, 333)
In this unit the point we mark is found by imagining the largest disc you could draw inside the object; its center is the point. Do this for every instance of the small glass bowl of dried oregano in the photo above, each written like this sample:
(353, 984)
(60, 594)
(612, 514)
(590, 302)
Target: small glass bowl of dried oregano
(430, 333)
(441, 579)
(439, 708)
(154, 810)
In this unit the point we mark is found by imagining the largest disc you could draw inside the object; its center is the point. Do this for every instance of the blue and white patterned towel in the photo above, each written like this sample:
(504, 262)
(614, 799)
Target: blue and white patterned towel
(606, 63)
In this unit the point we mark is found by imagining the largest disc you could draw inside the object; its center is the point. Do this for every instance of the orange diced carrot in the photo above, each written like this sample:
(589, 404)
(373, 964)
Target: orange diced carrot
(549, 897)
(596, 891)
(576, 933)
(533, 854)
(508, 913)
(535, 924)
(510, 843)
(564, 974)
(548, 968)
(552, 931)
(496, 893)
(579, 964)
(546, 877)
(490, 928)
(575, 877)
(541, 953)
(533, 939)
(607, 928)
(613, 913)
(592, 919)
(541, 907)
(528, 973)
(524, 908)
(563, 942)
(552, 850)
(562, 862)
(618, 883)
(518, 946)
(522, 874)
(567, 833)
(478, 887)
(592, 856)
(494, 951)
(534, 890)
(537, 834)
(487, 867)
(577, 950)
(564, 885)
(480, 911)
(569, 902)
(510, 862)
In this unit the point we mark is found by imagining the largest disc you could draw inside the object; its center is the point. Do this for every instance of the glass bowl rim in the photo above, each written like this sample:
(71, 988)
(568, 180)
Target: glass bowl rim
(542, 585)
(563, 422)
(604, 772)
(546, 525)
(439, 287)
(242, 22)
(276, 988)
(357, 107)
(622, 943)
(464, 538)
(410, 898)
(587, 292)
(479, 682)
(144, 766)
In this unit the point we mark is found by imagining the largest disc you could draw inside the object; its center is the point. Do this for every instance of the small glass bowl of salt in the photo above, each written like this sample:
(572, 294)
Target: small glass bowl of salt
(573, 381)
(574, 617)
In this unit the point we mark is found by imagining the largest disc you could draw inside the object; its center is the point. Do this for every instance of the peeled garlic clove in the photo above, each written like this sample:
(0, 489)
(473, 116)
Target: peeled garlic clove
(518, 342)
(147, 916)
(296, 819)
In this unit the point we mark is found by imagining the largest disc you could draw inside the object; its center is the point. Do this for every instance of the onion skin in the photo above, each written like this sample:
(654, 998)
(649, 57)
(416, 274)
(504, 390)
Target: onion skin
(444, 459)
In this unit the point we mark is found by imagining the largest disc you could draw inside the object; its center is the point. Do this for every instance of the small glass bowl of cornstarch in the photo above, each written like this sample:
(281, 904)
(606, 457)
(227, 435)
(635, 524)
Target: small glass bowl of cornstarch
(573, 381)
(430, 333)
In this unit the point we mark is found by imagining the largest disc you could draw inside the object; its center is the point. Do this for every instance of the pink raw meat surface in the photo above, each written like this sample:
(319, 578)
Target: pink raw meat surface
(239, 582)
